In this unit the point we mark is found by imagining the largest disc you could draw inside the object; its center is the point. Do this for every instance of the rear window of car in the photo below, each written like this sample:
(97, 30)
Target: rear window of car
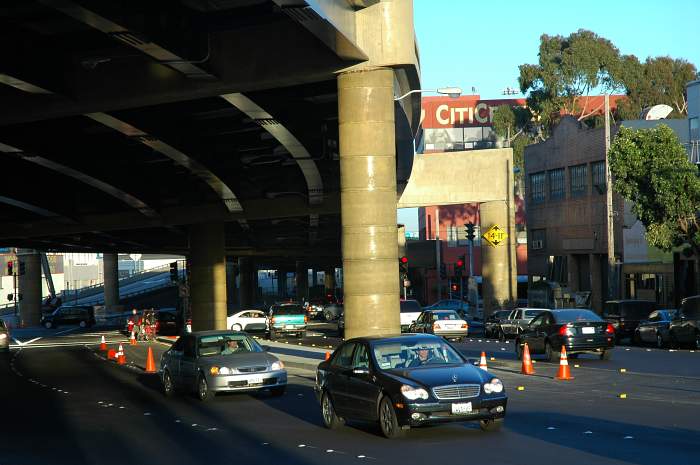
(572, 316)
(410, 306)
(532, 313)
(288, 310)
(448, 315)
(637, 310)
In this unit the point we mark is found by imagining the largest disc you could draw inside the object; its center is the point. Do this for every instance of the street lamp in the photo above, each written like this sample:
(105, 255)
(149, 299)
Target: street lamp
(453, 92)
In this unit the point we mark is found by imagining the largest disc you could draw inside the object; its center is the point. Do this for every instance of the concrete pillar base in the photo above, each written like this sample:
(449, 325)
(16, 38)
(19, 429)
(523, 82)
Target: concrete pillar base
(110, 271)
(29, 287)
(207, 261)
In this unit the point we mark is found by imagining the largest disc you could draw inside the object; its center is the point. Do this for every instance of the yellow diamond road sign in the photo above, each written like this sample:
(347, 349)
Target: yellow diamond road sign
(495, 235)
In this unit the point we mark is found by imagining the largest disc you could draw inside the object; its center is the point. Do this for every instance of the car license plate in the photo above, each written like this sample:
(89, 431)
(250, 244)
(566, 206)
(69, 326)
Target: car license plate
(255, 380)
(458, 409)
(289, 326)
(588, 330)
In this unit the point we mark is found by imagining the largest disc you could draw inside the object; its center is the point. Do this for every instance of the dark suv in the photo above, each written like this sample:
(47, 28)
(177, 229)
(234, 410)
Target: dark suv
(684, 329)
(625, 315)
(81, 315)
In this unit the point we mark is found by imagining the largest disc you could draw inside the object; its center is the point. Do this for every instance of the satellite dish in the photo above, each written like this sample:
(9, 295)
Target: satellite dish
(656, 112)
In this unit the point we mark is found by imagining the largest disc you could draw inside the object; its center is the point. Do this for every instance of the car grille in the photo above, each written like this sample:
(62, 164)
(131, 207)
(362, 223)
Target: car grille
(252, 369)
(456, 391)
(244, 383)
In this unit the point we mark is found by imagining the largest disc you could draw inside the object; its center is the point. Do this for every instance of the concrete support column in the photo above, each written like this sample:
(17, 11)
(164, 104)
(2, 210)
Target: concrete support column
(207, 261)
(110, 271)
(302, 281)
(329, 280)
(245, 277)
(29, 285)
(368, 202)
(282, 283)
(499, 264)
(231, 291)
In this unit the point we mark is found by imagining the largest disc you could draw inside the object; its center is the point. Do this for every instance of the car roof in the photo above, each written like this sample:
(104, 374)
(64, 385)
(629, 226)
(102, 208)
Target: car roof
(393, 338)
(531, 308)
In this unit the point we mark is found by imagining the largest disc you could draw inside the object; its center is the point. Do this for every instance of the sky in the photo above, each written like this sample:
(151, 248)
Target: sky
(480, 44)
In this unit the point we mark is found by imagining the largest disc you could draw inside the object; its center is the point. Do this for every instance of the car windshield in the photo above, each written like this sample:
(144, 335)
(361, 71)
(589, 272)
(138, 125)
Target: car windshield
(572, 316)
(288, 310)
(445, 315)
(227, 344)
(410, 306)
(410, 353)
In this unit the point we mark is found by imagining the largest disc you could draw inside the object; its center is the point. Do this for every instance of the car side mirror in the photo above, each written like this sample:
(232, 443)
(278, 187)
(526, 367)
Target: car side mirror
(266, 348)
(413, 322)
(360, 371)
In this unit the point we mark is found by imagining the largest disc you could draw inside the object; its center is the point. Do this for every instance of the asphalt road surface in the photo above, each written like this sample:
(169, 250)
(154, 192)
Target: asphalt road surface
(62, 404)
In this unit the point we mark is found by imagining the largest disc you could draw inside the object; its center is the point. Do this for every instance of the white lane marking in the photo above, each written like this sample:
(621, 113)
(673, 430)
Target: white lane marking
(551, 427)
(19, 343)
(31, 340)
(66, 331)
(301, 445)
(628, 437)
(588, 432)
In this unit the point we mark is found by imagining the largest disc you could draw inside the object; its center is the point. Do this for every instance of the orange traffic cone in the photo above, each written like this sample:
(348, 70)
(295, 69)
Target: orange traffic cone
(328, 356)
(564, 371)
(150, 363)
(103, 344)
(482, 362)
(121, 357)
(111, 354)
(527, 368)
(132, 340)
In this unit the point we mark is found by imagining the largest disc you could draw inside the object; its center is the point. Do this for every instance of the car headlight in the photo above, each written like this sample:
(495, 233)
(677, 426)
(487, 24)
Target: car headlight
(493, 386)
(413, 393)
(3, 336)
(278, 365)
(224, 371)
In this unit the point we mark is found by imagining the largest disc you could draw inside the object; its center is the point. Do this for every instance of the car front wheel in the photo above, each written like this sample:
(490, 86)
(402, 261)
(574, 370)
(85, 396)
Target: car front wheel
(167, 384)
(330, 419)
(659, 341)
(491, 426)
(551, 354)
(605, 355)
(83, 324)
(388, 421)
(236, 327)
(203, 392)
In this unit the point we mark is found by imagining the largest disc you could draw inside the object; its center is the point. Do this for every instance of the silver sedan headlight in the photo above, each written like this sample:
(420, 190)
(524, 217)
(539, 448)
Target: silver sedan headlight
(493, 386)
(224, 371)
(276, 366)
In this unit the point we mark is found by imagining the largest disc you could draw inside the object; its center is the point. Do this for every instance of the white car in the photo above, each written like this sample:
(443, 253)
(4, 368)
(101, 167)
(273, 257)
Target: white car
(410, 310)
(248, 320)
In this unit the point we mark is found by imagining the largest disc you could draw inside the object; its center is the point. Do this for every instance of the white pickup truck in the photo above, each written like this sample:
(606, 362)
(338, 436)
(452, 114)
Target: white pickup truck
(410, 310)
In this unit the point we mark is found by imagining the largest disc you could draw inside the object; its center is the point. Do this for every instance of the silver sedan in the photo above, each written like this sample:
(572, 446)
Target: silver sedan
(208, 362)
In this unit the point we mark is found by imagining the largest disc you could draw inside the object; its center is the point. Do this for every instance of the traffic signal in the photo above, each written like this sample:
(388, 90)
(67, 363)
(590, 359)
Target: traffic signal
(454, 287)
(403, 265)
(469, 227)
(10, 266)
(173, 272)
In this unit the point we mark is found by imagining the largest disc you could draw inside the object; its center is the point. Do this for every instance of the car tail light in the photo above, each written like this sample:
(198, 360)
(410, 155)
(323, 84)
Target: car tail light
(465, 326)
(272, 320)
(306, 319)
(565, 331)
(610, 329)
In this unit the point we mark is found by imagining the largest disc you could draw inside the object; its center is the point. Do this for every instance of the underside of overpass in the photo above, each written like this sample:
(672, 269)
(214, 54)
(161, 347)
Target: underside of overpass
(124, 124)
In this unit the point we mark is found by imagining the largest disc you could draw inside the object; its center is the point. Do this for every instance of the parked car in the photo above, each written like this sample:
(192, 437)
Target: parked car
(513, 324)
(493, 322)
(208, 362)
(4, 337)
(476, 324)
(406, 381)
(287, 319)
(625, 315)
(580, 330)
(248, 320)
(410, 309)
(81, 315)
(684, 330)
(444, 323)
(655, 328)
(167, 322)
(332, 311)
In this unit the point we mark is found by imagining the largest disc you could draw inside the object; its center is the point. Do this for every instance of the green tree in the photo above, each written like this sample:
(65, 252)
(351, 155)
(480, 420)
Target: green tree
(569, 68)
(656, 81)
(511, 123)
(650, 167)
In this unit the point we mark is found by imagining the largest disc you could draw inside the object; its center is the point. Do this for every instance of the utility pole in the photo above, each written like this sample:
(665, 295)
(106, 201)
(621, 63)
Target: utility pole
(609, 206)
(437, 253)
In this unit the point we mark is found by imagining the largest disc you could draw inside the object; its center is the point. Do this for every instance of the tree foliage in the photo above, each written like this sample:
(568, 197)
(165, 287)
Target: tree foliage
(511, 123)
(650, 167)
(569, 69)
(572, 67)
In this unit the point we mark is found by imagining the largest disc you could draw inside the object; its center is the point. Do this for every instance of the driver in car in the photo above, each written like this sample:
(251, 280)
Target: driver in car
(425, 357)
(231, 347)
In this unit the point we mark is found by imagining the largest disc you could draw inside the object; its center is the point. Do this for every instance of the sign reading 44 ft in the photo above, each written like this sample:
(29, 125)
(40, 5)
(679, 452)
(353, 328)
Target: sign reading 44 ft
(495, 235)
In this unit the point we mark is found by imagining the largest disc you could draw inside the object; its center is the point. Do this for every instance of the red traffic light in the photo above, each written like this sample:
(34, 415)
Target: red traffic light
(454, 287)
(403, 259)
(460, 263)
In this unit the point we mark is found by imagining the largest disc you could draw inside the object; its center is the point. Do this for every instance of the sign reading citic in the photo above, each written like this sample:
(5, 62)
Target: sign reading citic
(469, 110)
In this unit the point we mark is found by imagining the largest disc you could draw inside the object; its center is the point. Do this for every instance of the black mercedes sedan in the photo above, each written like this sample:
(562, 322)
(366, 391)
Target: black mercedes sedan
(405, 381)
(580, 330)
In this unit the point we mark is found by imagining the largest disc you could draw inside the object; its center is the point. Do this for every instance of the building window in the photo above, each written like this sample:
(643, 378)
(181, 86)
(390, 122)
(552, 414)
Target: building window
(578, 175)
(537, 241)
(694, 128)
(537, 187)
(556, 184)
(598, 174)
